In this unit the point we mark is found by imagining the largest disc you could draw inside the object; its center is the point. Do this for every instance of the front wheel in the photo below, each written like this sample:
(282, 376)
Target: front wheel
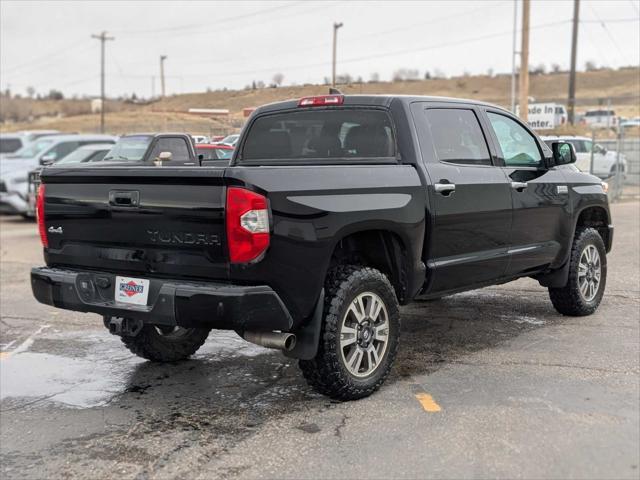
(359, 336)
(587, 276)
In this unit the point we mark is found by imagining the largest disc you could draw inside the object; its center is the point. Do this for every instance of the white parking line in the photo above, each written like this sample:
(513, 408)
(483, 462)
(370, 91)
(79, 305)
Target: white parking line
(24, 346)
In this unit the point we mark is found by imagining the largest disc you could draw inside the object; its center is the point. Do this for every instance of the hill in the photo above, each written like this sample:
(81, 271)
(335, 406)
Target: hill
(621, 87)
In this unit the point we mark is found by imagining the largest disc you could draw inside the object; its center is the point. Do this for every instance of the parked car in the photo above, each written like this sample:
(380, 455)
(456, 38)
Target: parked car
(230, 140)
(13, 142)
(605, 162)
(630, 123)
(600, 118)
(215, 152)
(333, 211)
(14, 171)
(85, 154)
(197, 139)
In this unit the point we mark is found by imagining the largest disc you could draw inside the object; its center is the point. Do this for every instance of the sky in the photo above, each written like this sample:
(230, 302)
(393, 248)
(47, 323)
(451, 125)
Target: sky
(48, 45)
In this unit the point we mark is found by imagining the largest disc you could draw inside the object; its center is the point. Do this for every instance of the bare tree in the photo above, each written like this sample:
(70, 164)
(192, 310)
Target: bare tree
(590, 66)
(278, 78)
(375, 77)
(31, 91)
(555, 68)
(405, 74)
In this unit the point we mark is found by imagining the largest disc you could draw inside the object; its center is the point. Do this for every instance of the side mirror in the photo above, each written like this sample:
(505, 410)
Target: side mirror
(48, 159)
(563, 153)
(597, 148)
(165, 156)
(201, 156)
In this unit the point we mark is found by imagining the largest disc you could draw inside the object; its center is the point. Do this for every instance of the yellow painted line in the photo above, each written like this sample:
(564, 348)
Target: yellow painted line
(428, 403)
(4, 354)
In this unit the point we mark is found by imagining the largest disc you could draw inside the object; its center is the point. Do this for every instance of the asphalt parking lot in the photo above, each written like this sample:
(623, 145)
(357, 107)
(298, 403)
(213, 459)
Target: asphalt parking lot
(490, 383)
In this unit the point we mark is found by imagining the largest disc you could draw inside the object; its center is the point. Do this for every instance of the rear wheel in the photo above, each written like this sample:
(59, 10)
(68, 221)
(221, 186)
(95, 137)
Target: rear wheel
(359, 337)
(587, 276)
(165, 344)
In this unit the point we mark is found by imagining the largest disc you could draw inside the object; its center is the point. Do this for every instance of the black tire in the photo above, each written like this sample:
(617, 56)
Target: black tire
(568, 300)
(327, 373)
(170, 346)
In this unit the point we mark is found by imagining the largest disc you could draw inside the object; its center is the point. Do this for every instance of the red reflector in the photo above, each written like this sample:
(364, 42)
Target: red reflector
(247, 216)
(40, 217)
(321, 100)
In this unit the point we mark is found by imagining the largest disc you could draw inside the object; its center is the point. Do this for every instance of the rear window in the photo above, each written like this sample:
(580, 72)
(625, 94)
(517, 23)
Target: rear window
(320, 134)
(9, 145)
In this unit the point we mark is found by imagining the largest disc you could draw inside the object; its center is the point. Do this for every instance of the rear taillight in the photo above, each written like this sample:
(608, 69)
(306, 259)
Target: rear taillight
(321, 100)
(247, 224)
(40, 216)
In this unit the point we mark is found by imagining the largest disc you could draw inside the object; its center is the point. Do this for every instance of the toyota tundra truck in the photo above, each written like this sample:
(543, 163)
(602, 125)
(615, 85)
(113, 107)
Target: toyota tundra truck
(333, 211)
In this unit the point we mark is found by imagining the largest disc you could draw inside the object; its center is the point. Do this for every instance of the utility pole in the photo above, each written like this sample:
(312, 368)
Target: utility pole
(336, 26)
(513, 57)
(162, 59)
(103, 38)
(571, 103)
(524, 62)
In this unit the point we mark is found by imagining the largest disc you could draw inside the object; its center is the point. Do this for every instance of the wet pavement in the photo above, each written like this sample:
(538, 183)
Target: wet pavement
(490, 383)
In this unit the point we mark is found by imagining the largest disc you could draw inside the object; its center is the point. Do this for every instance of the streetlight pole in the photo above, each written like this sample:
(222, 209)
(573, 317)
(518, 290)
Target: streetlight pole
(336, 26)
(574, 53)
(513, 57)
(524, 62)
(103, 38)
(162, 59)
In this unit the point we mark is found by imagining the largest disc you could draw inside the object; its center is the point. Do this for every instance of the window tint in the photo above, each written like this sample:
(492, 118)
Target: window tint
(457, 136)
(63, 149)
(320, 134)
(9, 145)
(177, 146)
(519, 147)
(130, 148)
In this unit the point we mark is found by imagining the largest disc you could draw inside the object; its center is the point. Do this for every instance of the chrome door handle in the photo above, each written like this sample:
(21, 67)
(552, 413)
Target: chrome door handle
(445, 188)
(519, 186)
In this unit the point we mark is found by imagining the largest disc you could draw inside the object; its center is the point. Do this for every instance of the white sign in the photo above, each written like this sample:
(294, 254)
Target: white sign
(545, 116)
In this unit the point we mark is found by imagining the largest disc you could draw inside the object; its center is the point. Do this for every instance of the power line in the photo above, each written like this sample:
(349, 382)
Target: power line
(218, 21)
(606, 29)
(368, 57)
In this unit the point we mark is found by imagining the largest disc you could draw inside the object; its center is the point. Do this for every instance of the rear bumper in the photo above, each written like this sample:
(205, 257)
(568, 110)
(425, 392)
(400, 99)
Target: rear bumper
(185, 304)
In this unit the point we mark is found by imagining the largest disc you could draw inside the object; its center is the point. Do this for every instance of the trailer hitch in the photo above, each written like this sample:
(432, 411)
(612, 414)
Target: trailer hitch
(123, 327)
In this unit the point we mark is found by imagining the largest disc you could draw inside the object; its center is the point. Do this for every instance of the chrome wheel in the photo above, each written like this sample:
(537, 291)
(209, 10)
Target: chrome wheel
(364, 334)
(589, 273)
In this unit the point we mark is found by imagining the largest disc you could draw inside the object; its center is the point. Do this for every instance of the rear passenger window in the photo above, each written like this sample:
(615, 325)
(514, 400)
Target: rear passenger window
(457, 136)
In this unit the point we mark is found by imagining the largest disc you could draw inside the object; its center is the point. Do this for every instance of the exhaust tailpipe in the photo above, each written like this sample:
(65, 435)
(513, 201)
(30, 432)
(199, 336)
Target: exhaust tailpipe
(277, 340)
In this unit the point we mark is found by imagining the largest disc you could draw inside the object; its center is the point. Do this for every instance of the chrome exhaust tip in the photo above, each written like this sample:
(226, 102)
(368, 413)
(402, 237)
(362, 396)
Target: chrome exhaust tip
(276, 340)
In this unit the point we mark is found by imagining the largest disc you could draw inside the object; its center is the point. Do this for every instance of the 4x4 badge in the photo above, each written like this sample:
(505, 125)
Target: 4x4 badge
(55, 230)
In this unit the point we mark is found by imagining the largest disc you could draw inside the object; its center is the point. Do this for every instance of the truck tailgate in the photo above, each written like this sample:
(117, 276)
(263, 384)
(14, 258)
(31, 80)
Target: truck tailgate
(141, 220)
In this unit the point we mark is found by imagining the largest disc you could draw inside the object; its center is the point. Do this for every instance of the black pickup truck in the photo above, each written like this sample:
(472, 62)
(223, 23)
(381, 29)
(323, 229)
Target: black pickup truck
(332, 212)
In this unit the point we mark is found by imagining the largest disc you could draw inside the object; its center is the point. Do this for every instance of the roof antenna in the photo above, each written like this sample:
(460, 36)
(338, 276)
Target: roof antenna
(334, 91)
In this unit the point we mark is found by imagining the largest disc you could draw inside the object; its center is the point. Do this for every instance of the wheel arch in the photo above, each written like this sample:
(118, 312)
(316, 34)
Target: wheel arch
(382, 249)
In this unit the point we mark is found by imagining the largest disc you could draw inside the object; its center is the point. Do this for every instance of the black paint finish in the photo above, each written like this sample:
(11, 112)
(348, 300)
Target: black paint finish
(484, 231)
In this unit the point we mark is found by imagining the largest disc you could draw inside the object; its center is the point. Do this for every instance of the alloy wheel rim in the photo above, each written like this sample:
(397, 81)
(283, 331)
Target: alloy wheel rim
(364, 334)
(589, 273)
